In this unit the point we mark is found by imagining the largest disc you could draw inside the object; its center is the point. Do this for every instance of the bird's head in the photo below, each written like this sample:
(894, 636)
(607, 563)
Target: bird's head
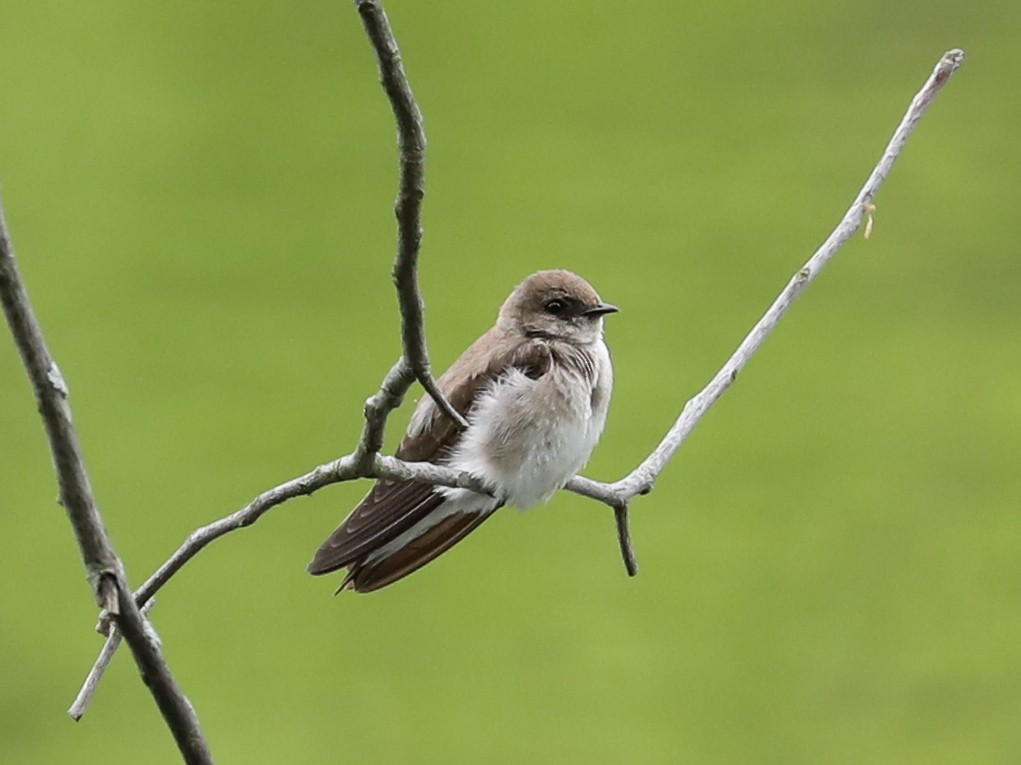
(558, 305)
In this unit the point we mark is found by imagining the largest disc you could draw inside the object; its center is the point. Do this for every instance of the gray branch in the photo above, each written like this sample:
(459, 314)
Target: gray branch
(346, 468)
(408, 208)
(104, 569)
(641, 479)
(366, 462)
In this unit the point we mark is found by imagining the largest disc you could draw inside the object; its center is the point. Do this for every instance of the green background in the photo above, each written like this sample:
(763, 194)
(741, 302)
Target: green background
(200, 197)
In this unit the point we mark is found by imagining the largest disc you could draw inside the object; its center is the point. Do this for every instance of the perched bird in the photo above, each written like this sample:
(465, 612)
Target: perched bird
(534, 390)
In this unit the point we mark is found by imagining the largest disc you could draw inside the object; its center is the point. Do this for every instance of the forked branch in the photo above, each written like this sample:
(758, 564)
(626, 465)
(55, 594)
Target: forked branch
(408, 207)
(367, 462)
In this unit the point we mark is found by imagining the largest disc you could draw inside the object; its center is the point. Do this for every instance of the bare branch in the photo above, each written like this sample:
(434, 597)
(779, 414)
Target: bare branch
(366, 462)
(641, 479)
(414, 362)
(346, 468)
(411, 191)
(104, 568)
(51, 393)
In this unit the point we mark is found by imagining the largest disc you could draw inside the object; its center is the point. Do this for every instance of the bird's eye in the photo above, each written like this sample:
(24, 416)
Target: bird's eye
(555, 307)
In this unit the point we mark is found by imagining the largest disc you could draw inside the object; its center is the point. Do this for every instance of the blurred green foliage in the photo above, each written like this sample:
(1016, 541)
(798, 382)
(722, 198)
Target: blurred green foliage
(200, 196)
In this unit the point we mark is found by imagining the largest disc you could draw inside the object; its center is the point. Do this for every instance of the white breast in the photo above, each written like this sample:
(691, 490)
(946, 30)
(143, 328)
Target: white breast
(527, 437)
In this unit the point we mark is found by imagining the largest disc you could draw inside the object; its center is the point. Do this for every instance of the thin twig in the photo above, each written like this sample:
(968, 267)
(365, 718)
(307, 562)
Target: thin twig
(627, 550)
(105, 570)
(414, 362)
(84, 698)
(344, 469)
(641, 479)
(411, 191)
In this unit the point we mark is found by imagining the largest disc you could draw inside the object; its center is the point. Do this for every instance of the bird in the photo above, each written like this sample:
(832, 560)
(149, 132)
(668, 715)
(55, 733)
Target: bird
(534, 391)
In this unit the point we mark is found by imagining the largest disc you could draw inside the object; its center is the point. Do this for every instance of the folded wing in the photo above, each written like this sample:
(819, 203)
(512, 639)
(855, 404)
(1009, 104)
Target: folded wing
(391, 508)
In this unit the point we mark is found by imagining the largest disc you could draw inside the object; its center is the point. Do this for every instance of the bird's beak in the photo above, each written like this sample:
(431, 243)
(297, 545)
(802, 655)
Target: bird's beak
(601, 309)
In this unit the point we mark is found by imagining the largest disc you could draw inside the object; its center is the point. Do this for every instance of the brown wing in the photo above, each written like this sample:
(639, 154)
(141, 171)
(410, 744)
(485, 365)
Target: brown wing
(388, 510)
(485, 360)
(366, 577)
(392, 507)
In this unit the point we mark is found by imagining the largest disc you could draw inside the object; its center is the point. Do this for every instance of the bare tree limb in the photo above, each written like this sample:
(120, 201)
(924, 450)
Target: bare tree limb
(641, 479)
(411, 191)
(105, 570)
(366, 462)
(51, 393)
(344, 469)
